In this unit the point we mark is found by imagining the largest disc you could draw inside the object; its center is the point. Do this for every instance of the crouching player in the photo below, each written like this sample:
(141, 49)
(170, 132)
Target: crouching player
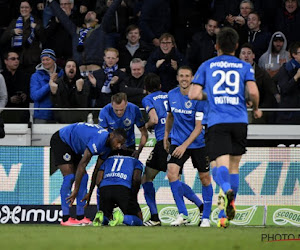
(120, 180)
(73, 147)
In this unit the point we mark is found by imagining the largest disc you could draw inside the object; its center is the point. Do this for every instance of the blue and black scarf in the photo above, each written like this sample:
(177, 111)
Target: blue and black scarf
(109, 75)
(17, 40)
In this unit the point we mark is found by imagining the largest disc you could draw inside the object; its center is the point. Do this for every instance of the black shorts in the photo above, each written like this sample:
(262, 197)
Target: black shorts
(198, 156)
(62, 152)
(226, 138)
(117, 196)
(158, 157)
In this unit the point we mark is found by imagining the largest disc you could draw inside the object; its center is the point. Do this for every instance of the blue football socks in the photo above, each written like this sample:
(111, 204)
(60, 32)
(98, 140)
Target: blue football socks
(190, 194)
(215, 175)
(234, 182)
(132, 220)
(223, 178)
(207, 194)
(98, 199)
(81, 193)
(149, 193)
(65, 191)
(177, 191)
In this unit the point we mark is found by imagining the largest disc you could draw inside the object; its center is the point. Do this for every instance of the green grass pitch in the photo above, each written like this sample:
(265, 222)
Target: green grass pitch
(56, 237)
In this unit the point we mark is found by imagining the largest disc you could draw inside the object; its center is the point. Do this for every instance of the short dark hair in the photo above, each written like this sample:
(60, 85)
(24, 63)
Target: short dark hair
(119, 97)
(5, 54)
(131, 27)
(120, 132)
(185, 67)
(247, 45)
(294, 47)
(227, 39)
(152, 82)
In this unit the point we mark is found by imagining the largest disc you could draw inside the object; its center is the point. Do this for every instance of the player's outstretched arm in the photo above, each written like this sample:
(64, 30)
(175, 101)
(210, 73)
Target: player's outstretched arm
(144, 138)
(196, 93)
(254, 97)
(96, 179)
(87, 155)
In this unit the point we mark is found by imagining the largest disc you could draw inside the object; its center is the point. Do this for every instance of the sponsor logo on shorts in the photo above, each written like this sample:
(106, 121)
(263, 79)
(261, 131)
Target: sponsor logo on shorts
(67, 157)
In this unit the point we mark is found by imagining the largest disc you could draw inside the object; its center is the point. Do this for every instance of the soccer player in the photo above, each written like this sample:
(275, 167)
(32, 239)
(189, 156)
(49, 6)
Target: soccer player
(225, 79)
(122, 114)
(156, 103)
(187, 140)
(73, 147)
(120, 180)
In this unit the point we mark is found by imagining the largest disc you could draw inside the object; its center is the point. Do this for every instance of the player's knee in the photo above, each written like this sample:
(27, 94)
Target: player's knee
(205, 178)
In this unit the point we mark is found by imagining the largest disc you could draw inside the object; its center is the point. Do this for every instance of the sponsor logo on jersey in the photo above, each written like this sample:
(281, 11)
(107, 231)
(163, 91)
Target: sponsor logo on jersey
(224, 64)
(95, 148)
(160, 97)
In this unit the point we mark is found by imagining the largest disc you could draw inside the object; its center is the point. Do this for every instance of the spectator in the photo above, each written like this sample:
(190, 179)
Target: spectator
(276, 55)
(70, 91)
(267, 88)
(222, 8)
(88, 45)
(133, 47)
(266, 10)
(239, 22)
(25, 34)
(17, 84)
(188, 17)
(118, 24)
(106, 81)
(164, 61)
(255, 35)
(288, 81)
(40, 88)
(3, 101)
(155, 19)
(288, 21)
(57, 38)
(203, 45)
(134, 84)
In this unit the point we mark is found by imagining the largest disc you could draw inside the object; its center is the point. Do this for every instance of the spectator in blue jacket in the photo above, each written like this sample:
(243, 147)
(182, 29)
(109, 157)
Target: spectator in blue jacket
(40, 88)
(164, 61)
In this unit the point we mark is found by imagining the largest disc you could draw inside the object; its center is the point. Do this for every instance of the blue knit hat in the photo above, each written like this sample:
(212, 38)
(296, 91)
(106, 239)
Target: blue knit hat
(49, 53)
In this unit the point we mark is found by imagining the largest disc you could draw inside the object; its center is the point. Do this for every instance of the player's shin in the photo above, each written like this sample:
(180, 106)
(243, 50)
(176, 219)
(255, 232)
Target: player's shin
(207, 194)
(65, 191)
(177, 191)
(149, 193)
(223, 178)
(81, 194)
(190, 194)
(234, 182)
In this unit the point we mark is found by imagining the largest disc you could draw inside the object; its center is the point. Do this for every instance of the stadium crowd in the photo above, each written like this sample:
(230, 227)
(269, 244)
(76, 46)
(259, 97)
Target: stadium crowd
(98, 54)
(113, 45)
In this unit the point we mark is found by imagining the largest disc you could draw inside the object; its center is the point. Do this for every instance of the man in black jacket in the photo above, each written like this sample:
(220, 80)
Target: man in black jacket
(203, 45)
